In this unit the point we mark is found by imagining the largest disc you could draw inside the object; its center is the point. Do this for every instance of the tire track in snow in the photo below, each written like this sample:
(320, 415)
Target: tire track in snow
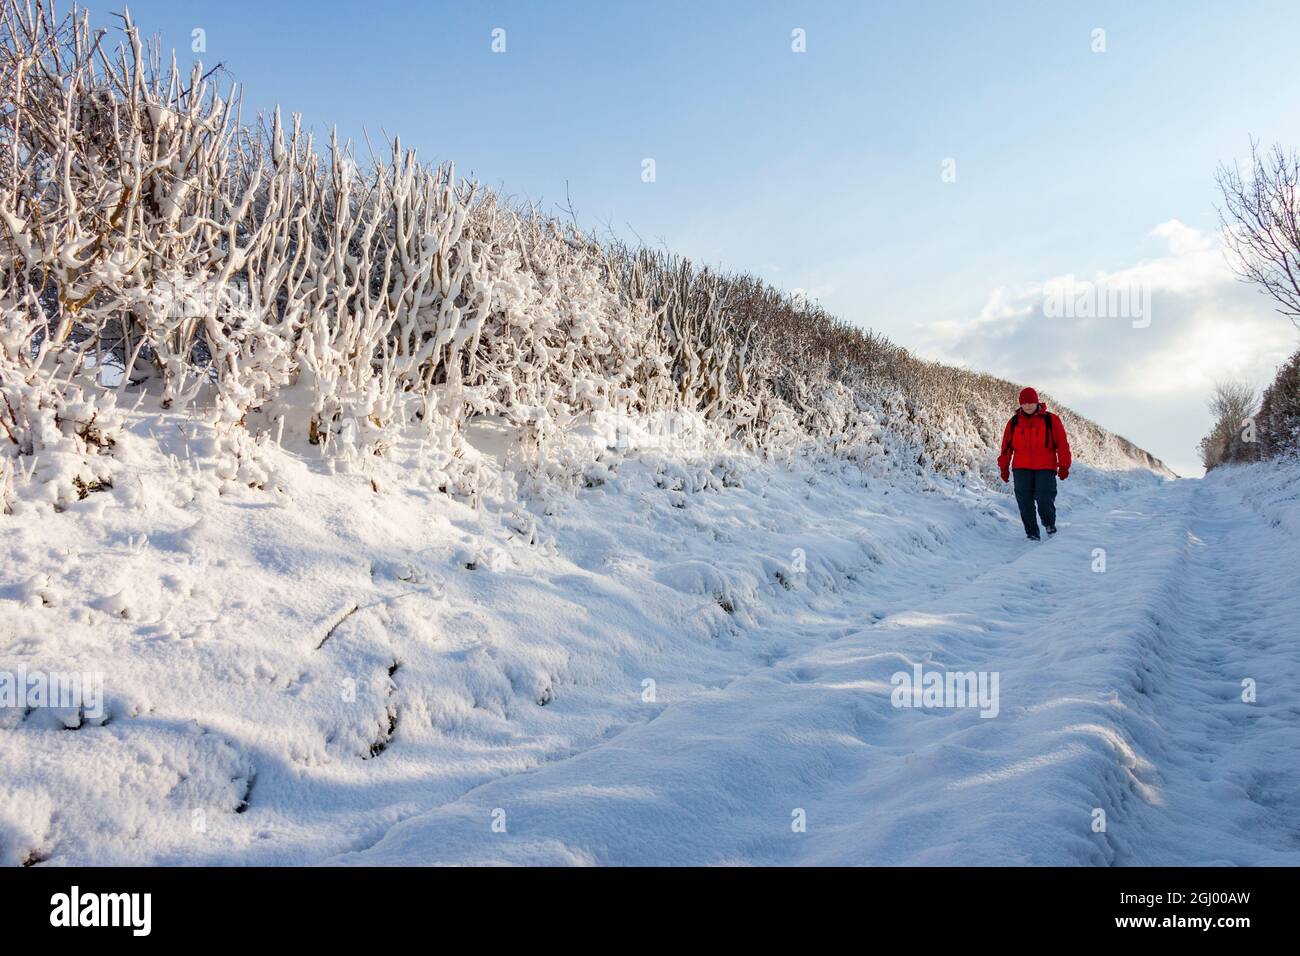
(1229, 767)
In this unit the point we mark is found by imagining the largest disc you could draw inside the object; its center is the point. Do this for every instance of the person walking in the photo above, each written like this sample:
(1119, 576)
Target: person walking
(1034, 446)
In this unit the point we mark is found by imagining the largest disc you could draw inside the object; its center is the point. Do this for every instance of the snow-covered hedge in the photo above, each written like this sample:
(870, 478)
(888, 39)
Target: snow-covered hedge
(151, 244)
(1279, 411)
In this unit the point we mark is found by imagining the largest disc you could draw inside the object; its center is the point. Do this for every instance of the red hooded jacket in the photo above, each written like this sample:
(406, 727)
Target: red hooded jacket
(1026, 442)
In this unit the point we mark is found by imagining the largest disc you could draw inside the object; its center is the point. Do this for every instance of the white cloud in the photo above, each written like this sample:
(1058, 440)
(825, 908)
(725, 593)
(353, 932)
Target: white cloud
(1204, 326)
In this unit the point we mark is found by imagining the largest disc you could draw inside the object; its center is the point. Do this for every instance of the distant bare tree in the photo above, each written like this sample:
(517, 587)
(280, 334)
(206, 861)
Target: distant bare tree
(1261, 224)
(1232, 405)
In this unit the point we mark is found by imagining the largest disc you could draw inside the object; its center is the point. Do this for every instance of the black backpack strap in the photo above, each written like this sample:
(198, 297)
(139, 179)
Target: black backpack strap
(1047, 432)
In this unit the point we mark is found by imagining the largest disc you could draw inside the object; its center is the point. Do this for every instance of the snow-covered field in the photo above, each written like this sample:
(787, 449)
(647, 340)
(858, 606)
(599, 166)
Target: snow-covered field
(677, 657)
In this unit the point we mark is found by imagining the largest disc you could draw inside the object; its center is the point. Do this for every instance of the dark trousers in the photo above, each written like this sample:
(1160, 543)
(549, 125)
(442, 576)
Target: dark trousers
(1036, 486)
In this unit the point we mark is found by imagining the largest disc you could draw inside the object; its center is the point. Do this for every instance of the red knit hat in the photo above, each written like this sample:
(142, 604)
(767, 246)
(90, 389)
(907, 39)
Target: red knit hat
(1028, 396)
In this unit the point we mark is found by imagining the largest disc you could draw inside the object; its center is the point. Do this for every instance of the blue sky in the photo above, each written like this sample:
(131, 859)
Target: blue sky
(822, 170)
